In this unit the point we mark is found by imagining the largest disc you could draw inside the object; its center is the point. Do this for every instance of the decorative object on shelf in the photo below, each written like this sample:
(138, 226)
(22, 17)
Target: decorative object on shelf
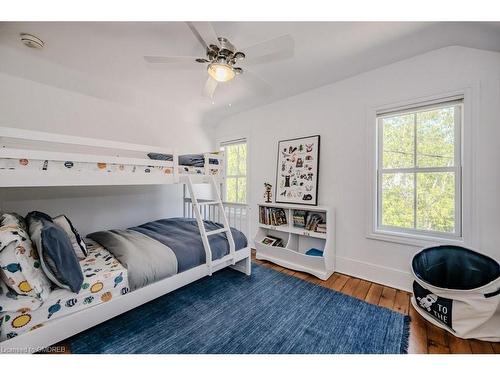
(268, 195)
(314, 252)
(297, 171)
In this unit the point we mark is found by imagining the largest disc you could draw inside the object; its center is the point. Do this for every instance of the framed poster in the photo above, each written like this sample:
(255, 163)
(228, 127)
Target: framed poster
(297, 171)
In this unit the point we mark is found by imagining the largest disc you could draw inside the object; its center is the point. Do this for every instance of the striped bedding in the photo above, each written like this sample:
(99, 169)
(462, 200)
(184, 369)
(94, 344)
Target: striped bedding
(162, 248)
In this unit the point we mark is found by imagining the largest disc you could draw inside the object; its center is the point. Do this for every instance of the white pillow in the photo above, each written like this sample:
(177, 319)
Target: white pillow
(77, 242)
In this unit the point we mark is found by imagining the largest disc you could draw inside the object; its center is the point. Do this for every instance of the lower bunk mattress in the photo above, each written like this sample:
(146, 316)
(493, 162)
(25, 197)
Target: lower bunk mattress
(163, 248)
(104, 279)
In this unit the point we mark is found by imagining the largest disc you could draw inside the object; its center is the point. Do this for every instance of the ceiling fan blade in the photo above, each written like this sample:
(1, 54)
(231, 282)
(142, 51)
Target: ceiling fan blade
(254, 83)
(210, 87)
(170, 59)
(204, 33)
(275, 49)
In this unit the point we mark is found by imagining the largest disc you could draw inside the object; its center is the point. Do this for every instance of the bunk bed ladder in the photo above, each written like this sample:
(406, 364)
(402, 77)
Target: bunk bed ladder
(203, 232)
(225, 222)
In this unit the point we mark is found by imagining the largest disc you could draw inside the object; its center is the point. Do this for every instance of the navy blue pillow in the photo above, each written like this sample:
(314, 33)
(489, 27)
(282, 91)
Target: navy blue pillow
(57, 256)
(156, 156)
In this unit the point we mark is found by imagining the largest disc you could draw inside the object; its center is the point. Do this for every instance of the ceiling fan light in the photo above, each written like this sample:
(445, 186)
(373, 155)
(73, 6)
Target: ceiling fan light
(221, 72)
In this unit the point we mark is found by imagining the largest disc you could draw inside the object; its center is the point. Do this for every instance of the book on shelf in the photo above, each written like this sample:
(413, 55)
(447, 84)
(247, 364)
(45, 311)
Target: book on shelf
(272, 241)
(299, 218)
(312, 222)
(321, 228)
(272, 216)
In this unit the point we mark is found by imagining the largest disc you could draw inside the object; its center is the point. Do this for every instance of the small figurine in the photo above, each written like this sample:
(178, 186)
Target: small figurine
(267, 194)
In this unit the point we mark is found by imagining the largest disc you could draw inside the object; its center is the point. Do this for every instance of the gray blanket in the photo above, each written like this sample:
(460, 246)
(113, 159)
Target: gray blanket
(145, 259)
(162, 248)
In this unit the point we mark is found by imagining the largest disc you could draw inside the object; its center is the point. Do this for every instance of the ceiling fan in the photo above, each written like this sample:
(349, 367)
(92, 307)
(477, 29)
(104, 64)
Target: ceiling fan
(222, 57)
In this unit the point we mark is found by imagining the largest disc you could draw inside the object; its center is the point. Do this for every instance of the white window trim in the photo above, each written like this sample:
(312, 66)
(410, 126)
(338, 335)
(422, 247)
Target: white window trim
(456, 169)
(469, 222)
(228, 143)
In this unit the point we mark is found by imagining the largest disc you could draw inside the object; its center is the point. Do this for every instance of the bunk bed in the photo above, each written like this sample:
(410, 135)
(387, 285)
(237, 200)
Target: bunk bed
(38, 159)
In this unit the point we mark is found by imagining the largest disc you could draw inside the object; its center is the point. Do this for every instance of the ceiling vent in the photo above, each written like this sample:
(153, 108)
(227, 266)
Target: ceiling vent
(31, 41)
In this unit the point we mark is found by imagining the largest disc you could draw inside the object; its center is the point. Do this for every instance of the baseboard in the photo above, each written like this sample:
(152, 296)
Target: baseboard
(375, 273)
(372, 272)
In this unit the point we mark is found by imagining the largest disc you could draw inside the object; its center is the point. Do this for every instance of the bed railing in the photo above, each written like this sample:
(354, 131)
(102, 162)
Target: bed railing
(31, 148)
(34, 147)
(236, 213)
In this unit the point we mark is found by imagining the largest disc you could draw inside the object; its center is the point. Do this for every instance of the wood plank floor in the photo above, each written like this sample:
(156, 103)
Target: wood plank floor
(425, 338)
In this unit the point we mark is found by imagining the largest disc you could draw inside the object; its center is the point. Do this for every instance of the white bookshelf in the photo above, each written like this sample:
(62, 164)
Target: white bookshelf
(297, 241)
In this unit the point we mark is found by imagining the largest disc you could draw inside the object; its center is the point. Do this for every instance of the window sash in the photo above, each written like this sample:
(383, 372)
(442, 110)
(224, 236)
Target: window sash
(238, 198)
(415, 170)
(422, 107)
(237, 176)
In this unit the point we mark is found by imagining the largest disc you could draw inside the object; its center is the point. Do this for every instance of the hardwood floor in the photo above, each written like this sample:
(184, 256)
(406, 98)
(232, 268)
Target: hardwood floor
(425, 338)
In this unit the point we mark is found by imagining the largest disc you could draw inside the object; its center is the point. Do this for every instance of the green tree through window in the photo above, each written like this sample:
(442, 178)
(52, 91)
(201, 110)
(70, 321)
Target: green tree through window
(236, 171)
(418, 176)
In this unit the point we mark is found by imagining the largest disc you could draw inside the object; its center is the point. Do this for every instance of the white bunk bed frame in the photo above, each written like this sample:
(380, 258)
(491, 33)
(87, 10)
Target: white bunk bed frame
(34, 145)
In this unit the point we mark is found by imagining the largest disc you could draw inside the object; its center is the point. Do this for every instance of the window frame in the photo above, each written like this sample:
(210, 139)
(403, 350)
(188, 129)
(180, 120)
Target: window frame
(414, 233)
(223, 146)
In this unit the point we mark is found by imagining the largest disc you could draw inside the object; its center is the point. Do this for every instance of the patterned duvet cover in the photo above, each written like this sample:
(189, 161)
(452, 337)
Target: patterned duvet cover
(104, 279)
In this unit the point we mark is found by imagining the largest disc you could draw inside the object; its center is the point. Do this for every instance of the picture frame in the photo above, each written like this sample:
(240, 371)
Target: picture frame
(272, 241)
(297, 171)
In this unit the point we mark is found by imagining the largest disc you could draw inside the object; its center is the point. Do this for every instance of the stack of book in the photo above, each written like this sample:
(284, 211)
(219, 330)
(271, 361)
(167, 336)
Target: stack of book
(321, 228)
(272, 216)
(299, 218)
(272, 241)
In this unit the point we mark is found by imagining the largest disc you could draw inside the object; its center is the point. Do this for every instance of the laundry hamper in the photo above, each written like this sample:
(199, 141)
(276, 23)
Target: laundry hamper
(459, 290)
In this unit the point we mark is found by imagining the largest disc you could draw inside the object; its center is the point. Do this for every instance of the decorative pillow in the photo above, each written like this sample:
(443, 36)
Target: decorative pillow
(19, 261)
(57, 256)
(76, 241)
(13, 220)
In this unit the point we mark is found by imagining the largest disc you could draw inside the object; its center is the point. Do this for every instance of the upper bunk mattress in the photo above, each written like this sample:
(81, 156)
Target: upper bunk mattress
(104, 279)
(162, 248)
(188, 160)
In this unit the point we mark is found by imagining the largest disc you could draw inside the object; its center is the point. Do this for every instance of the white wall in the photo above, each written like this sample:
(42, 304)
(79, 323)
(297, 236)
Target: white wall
(338, 112)
(87, 106)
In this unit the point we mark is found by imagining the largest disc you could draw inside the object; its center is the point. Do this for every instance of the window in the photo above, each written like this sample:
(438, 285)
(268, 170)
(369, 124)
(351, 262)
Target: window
(419, 170)
(235, 189)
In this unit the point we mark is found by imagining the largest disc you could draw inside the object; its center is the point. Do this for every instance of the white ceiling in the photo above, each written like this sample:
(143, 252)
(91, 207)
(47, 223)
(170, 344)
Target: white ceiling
(105, 59)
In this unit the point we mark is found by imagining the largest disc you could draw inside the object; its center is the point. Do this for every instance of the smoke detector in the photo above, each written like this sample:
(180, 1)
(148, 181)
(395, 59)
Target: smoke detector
(31, 41)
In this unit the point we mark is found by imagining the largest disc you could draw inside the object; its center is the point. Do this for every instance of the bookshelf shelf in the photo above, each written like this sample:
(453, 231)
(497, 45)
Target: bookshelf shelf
(309, 233)
(305, 228)
(281, 228)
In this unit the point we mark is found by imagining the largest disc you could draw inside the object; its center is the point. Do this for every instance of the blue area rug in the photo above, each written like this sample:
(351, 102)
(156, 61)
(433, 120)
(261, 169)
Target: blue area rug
(268, 312)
